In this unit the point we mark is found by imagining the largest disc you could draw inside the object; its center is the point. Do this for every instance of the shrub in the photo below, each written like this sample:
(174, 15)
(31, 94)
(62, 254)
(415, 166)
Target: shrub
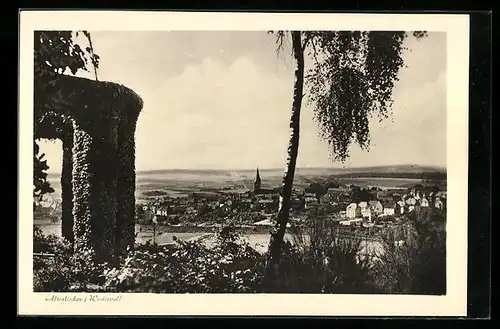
(318, 261)
(414, 261)
(56, 269)
(230, 266)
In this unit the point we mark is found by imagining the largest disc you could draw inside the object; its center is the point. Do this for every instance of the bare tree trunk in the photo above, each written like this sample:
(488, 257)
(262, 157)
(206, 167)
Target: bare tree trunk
(278, 232)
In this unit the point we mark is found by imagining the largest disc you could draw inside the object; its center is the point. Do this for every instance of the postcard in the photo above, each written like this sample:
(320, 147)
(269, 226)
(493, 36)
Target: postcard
(243, 164)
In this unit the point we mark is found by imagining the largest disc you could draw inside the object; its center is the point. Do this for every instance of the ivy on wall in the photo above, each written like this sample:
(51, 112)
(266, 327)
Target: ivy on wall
(96, 122)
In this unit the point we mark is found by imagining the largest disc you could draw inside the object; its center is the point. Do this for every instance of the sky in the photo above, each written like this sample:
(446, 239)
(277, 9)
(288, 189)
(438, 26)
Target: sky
(222, 100)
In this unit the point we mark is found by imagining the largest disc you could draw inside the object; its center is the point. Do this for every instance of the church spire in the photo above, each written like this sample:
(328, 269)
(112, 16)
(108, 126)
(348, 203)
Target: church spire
(256, 184)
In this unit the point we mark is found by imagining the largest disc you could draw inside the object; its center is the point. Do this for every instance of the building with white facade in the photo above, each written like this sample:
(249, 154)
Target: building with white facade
(353, 211)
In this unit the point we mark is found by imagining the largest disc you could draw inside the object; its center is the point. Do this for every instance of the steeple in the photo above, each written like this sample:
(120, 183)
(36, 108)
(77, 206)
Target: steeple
(256, 184)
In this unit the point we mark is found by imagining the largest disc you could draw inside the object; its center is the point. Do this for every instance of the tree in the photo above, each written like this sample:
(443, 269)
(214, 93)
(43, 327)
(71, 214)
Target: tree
(316, 188)
(55, 53)
(40, 184)
(352, 76)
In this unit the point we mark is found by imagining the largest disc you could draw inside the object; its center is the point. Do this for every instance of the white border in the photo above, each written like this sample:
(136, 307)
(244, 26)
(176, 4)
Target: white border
(453, 304)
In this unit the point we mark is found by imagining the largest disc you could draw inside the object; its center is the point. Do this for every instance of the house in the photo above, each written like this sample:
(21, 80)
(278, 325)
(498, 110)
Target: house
(353, 211)
(376, 206)
(310, 202)
(191, 210)
(326, 199)
(335, 192)
(438, 204)
(161, 212)
(424, 202)
(182, 201)
(411, 201)
(366, 212)
(389, 209)
(245, 195)
(441, 194)
(401, 207)
(382, 194)
(298, 192)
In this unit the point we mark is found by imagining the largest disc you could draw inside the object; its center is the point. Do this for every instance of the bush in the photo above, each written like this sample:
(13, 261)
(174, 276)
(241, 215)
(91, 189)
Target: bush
(56, 269)
(414, 261)
(230, 266)
(323, 263)
(317, 261)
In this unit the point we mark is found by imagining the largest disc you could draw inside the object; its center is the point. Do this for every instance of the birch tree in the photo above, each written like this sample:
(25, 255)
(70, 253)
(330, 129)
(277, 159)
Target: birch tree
(351, 78)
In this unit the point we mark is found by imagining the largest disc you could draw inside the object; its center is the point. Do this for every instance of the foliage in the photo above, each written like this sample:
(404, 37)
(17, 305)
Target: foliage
(57, 269)
(55, 53)
(358, 194)
(230, 266)
(40, 184)
(414, 261)
(322, 263)
(352, 76)
(317, 261)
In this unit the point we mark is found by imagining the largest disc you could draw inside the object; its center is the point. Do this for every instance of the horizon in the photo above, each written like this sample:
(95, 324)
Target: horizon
(418, 166)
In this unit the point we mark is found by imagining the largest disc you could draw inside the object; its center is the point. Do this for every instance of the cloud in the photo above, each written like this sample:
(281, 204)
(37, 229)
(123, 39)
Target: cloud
(227, 105)
(214, 115)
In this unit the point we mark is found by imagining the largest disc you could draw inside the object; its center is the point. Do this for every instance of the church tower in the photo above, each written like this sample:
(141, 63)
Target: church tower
(256, 184)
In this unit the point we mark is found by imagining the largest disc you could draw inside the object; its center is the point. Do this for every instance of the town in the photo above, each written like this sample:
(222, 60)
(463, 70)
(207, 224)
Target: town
(336, 204)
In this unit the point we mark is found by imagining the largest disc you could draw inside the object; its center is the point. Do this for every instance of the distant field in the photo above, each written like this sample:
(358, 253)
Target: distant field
(178, 183)
(381, 182)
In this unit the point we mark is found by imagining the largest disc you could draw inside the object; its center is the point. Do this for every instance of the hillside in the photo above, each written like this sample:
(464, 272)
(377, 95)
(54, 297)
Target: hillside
(371, 171)
(178, 182)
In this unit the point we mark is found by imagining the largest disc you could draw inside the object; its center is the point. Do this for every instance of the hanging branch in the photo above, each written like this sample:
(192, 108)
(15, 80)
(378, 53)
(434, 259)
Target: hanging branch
(94, 58)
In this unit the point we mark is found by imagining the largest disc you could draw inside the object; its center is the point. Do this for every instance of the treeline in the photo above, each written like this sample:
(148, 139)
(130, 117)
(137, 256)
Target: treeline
(435, 176)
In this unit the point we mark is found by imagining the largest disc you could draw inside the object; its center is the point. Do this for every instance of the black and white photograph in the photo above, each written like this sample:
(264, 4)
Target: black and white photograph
(279, 160)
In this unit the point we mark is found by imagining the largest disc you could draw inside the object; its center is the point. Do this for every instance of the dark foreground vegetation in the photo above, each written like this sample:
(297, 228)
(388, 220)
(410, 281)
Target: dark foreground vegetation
(325, 264)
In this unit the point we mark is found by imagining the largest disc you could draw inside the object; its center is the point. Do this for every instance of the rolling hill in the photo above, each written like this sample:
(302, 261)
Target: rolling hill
(372, 171)
(177, 182)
